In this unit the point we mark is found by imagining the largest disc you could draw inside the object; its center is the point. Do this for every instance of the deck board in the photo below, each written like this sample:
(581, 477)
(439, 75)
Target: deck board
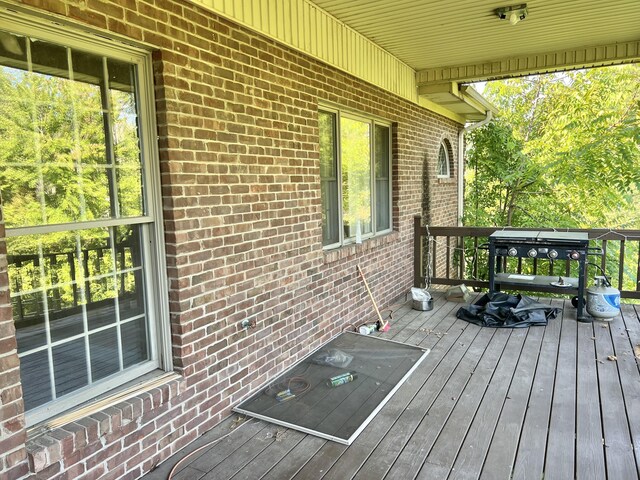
(504, 444)
(469, 461)
(589, 448)
(491, 404)
(531, 453)
(629, 376)
(449, 443)
(384, 455)
(617, 441)
(562, 425)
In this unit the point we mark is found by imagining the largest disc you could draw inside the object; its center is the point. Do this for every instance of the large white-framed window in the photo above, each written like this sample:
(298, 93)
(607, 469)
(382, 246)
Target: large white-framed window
(81, 204)
(355, 175)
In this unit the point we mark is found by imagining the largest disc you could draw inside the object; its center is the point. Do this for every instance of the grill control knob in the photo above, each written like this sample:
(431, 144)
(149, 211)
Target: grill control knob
(574, 255)
(513, 252)
(532, 253)
(552, 254)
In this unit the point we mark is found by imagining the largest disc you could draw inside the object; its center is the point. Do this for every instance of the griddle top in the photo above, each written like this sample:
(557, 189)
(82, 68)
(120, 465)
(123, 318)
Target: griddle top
(536, 236)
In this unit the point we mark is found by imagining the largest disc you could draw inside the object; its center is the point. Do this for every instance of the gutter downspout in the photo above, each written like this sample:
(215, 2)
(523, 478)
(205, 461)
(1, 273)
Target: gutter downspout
(473, 126)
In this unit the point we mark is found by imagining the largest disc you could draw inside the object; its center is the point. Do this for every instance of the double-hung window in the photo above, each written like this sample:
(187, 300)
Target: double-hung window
(355, 175)
(80, 199)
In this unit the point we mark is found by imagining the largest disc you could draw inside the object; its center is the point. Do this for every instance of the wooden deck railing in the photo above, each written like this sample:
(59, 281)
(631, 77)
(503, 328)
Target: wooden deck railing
(452, 255)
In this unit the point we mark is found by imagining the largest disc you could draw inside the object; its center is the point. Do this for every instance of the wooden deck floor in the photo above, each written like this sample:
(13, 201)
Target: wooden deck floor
(535, 403)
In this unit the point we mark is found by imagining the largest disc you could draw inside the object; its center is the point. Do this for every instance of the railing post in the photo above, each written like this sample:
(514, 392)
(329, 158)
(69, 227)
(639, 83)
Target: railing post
(417, 251)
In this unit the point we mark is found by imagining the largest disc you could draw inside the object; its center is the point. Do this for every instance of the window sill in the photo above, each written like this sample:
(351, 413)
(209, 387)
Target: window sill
(346, 251)
(116, 415)
(446, 180)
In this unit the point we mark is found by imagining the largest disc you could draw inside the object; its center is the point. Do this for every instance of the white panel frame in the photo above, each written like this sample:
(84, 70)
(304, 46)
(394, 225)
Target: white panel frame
(364, 424)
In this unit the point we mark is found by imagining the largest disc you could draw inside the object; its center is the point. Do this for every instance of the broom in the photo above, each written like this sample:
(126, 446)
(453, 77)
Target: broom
(383, 325)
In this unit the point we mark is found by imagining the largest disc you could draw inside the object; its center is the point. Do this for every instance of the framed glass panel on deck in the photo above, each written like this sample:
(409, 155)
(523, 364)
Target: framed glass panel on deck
(338, 389)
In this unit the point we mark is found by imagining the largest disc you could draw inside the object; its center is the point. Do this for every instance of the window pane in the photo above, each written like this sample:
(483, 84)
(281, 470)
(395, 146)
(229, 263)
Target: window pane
(28, 318)
(355, 144)
(382, 169)
(130, 282)
(104, 353)
(36, 380)
(329, 178)
(70, 366)
(126, 144)
(134, 342)
(443, 162)
(65, 284)
(53, 116)
(130, 192)
(101, 305)
(64, 322)
(65, 314)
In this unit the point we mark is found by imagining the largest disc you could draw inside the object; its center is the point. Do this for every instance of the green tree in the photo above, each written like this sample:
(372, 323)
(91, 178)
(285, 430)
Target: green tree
(54, 169)
(565, 152)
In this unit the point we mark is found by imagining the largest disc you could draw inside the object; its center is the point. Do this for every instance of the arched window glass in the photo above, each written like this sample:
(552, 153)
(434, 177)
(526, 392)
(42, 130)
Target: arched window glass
(443, 169)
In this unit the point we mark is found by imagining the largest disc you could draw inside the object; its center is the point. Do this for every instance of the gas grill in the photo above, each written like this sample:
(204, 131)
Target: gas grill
(532, 244)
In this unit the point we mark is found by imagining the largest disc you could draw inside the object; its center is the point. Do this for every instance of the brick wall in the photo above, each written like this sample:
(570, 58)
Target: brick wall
(13, 456)
(238, 138)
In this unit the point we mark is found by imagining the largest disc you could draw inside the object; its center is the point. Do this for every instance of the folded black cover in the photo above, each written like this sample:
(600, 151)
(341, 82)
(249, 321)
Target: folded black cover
(501, 310)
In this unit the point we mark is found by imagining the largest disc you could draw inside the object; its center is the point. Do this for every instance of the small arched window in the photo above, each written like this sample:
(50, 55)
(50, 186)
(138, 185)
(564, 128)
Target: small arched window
(443, 167)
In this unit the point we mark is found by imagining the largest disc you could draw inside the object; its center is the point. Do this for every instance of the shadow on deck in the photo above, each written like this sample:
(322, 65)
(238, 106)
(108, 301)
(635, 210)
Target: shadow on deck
(554, 402)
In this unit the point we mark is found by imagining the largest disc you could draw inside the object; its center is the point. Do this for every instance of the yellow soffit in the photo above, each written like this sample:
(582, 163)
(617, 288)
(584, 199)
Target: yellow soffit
(463, 103)
(304, 26)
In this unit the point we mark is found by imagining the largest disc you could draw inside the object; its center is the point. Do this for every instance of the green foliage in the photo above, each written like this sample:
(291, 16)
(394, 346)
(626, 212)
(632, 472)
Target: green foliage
(355, 143)
(564, 152)
(54, 169)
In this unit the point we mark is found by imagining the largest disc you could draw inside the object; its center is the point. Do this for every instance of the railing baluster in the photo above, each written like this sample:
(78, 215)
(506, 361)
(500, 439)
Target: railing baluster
(434, 247)
(638, 270)
(72, 272)
(448, 259)
(621, 265)
(603, 260)
(463, 260)
(519, 265)
(476, 259)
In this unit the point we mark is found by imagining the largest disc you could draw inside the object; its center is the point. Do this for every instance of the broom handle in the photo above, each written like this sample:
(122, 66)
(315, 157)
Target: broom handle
(373, 300)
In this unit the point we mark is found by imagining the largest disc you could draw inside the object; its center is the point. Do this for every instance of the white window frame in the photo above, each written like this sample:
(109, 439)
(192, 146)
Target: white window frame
(372, 121)
(443, 148)
(22, 22)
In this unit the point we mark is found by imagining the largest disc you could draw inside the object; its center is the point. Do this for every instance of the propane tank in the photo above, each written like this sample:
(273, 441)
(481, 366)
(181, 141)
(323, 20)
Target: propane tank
(603, 301)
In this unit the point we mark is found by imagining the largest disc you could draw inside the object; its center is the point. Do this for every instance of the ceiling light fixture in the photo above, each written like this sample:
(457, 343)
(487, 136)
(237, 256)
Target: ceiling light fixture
(514, 14)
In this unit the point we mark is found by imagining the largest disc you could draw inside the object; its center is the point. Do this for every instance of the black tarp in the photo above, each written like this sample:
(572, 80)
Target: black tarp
(501, 310)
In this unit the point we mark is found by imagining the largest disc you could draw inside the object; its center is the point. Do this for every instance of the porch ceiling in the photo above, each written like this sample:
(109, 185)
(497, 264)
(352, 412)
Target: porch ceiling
(465, 40)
